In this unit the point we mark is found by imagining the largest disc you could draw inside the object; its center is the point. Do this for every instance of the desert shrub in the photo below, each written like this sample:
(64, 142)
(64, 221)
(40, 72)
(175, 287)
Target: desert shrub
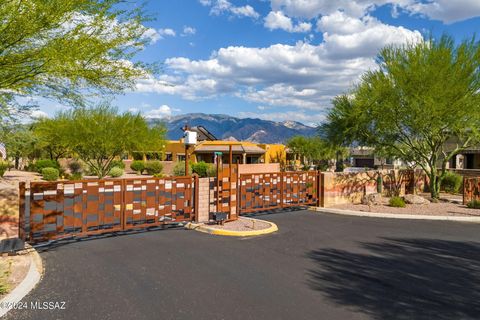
(397, 202)
(46, 163)
(75, 166)
(474, 204)
(452, 182)
(4, 166)
(159, 175)
(75, 176)
(50, 174)
(200, 168)
(138, 166)
(179, 169)
(211, 170)
(153, 167)
(116, 172)
(117, 163)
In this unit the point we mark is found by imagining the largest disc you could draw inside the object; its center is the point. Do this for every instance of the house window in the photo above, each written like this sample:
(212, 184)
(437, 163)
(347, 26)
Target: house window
(168, 157)
(181, 157)
(252, 159)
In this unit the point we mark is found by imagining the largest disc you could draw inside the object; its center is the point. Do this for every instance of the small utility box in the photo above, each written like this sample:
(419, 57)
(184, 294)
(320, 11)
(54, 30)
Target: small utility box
(190, 138)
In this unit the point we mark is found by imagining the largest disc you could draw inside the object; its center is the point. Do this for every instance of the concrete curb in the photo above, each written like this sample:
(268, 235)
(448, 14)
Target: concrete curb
(394, 216)
(219, 232)
(32, 278)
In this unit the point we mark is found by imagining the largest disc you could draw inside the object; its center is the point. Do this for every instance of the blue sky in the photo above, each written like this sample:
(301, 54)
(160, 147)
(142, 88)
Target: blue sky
(276, 59)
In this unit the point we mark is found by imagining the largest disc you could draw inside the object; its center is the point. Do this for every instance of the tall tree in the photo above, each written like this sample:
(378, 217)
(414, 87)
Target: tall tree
(68, 49)
(422, 105)
(20, 143)
(52, 136)
(98, 135)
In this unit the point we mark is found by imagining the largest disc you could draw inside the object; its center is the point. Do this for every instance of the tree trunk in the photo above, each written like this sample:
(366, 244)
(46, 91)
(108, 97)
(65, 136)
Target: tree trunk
(434, 184)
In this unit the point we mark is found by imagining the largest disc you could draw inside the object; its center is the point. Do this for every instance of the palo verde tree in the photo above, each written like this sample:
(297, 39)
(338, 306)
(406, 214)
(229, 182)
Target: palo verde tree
(313, 149)
(68, 49)
(100, 134)
(52, 136)
(422, 105)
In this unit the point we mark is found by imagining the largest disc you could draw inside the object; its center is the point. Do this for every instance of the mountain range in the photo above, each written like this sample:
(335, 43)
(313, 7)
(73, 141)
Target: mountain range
(226, 127)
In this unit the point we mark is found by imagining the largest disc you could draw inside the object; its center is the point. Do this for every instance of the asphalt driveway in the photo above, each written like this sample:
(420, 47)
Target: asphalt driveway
(318, 266)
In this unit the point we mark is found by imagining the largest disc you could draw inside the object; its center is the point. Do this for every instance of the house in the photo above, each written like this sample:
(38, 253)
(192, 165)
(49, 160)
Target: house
(365, 157)
(208, 147)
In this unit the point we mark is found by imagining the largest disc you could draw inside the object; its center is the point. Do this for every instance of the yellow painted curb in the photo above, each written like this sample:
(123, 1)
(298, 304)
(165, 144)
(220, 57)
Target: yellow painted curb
(231, 233)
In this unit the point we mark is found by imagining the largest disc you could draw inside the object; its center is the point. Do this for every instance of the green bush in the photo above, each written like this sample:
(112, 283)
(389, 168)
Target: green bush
(179, 169)
(159, 175)
(153, 167)
(75, 176)
(46, 163)
(397, 202)
(75, 166)
(138, 166)
(117, 163)
(50, 174)
(474, 204)
(116, 172)
(200, 168)
(4, 166)
(452, 182)
(211, 170)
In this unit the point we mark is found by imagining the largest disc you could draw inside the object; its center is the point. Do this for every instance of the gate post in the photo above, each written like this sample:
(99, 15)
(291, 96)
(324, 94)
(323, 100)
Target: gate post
(282, 174)
(318, 176)
(196, 192)
(21, 206)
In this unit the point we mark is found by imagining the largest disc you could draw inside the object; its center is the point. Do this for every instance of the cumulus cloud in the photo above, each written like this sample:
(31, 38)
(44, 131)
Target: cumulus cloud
(277, 20)
(219, 7)
(447, 11)
(37, 114)
(303, 75)
(164, 111)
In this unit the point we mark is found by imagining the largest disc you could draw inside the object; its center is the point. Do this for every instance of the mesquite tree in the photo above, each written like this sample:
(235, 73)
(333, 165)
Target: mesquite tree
(422, 105)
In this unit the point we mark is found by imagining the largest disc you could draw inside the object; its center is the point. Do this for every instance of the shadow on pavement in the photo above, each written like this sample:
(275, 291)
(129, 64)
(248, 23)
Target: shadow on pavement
(403, 278)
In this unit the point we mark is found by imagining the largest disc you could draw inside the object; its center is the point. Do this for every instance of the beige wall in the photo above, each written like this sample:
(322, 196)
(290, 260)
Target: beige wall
(258, 168)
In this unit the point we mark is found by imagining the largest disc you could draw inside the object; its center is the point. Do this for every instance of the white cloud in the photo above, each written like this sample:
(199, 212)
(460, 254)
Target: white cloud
(277, 20)
(164, 111)
(219, 7)
(37, 114)
(166, 32)
(188, 31)
(303, 75)
(448, 11)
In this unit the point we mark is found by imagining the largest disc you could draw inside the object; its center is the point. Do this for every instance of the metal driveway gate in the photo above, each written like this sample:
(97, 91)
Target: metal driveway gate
(266, 191)
(54, 210)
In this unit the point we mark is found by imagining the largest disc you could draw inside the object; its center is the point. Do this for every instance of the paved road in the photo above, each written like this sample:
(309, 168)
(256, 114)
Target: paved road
(318, 266)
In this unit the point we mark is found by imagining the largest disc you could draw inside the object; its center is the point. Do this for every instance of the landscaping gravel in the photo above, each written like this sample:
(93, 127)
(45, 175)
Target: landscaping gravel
(441, 208)
(243, 224)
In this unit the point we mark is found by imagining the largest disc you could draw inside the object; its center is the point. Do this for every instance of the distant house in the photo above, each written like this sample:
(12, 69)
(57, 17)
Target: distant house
(365, 157)
(467, 159)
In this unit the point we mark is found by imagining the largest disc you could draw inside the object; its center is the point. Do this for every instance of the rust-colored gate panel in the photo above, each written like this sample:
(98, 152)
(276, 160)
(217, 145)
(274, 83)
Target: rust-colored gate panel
(225, 190)
(79, 208)
(471, 189)
(268, 191)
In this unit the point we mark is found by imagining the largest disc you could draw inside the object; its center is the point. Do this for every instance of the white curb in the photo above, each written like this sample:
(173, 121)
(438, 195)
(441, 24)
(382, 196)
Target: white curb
(395, 215)
(31, 279)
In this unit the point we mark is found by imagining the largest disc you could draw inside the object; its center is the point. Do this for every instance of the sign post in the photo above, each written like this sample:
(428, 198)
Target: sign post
(189, 139)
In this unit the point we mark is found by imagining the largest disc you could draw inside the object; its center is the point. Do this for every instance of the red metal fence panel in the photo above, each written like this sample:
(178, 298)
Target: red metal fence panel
(79, 208)
(471, 189)
(267, 191)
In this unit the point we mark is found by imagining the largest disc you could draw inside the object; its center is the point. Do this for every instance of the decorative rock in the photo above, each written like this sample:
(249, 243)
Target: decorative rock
(372, 199)
(414, 199)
